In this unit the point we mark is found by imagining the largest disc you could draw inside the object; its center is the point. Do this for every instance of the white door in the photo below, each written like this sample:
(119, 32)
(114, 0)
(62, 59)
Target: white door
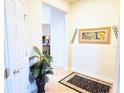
(17, 48)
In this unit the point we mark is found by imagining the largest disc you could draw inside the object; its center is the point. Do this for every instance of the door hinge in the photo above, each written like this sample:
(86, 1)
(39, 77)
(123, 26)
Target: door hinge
(26, 53)
(25, 16)
(6, 73)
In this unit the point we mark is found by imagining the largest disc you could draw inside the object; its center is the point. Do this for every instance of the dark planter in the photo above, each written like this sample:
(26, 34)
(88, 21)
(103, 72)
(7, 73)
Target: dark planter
(40, 85)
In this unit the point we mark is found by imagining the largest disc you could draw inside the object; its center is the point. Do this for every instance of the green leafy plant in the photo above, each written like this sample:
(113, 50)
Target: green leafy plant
(41, 66)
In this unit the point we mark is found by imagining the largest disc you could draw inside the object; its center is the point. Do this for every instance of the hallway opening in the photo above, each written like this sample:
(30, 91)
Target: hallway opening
(54, 35)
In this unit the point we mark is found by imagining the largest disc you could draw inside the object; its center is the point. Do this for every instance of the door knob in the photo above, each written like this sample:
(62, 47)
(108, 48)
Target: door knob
(15, 72)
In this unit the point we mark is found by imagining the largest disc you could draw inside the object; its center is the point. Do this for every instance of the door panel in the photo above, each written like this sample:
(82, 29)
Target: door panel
(19, 67)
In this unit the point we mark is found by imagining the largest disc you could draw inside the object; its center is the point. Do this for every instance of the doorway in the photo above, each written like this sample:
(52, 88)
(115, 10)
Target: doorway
(54, 35)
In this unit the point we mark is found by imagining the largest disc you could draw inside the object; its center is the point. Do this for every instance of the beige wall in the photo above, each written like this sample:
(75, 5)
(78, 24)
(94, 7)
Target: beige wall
(91, 58)
(33, 23)
(66, 7)
(97, 59)
(61, 4)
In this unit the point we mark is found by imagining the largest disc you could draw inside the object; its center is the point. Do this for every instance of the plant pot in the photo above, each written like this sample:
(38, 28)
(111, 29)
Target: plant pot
(40, 85)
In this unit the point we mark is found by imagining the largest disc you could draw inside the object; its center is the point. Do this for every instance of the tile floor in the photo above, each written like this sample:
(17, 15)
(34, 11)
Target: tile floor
(53, 86)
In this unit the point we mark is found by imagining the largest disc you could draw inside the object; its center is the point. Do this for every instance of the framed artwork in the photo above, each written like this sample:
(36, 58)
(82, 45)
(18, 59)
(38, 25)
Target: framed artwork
(95, 35)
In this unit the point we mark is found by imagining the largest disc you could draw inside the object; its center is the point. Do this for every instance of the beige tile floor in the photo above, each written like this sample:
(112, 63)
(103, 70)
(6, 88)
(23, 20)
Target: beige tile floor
(53, 86)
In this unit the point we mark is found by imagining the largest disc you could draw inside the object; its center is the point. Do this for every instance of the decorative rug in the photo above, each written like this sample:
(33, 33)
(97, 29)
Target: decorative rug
(85, 84)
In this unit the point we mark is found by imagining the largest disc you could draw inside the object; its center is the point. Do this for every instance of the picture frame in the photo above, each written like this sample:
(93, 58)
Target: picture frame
(99, 35)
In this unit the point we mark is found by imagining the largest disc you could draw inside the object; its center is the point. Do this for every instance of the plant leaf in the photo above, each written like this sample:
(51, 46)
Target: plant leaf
(35, 72)
(49, 72)
(37, 50)
(46, 79)
(31, 58)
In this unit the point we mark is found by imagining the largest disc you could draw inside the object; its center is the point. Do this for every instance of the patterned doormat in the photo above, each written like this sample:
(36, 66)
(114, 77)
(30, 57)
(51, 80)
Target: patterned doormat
(85, 84)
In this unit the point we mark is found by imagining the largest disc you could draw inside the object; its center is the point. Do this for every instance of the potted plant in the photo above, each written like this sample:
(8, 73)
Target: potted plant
(40, 68)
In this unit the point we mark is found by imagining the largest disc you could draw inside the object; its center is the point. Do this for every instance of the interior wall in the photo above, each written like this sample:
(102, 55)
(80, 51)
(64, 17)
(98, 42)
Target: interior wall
(33, 23)
(65, 6)
(95, 59)
(85, 14)
(45, 14)
(34, 18)
(60, 4)
(58, 38)
(46, 30)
